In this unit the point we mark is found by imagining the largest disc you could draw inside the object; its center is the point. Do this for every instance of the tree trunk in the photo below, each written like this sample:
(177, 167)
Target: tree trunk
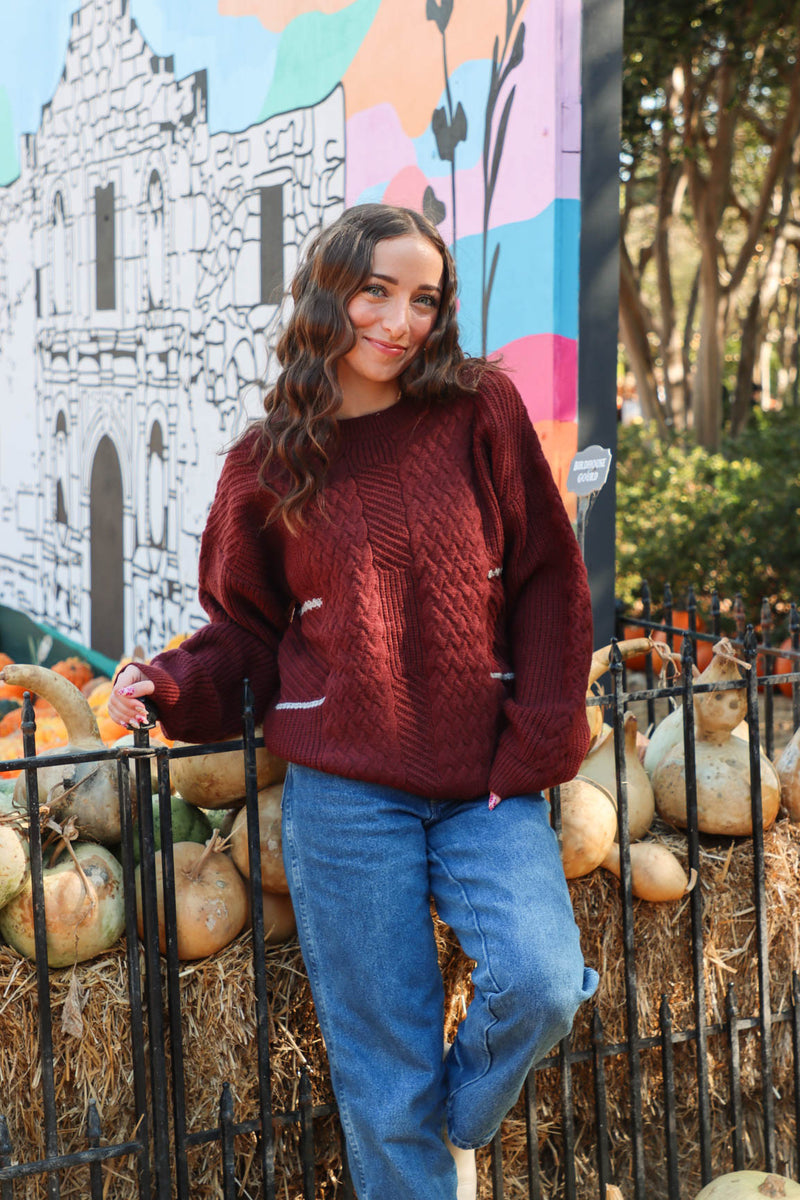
(708, 376)
(633, 329)
(742, 402)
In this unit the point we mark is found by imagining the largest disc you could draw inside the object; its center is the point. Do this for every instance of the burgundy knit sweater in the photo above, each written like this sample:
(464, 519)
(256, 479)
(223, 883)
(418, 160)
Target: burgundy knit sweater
(428, 629)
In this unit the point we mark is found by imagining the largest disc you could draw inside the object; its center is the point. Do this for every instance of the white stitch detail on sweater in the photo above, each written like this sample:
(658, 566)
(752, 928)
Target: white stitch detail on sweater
(301, 703)
(502, 674)
(495, 573)
(310, 604)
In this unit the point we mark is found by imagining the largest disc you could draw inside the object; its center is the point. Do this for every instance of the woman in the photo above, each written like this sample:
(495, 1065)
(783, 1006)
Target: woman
(389, 563)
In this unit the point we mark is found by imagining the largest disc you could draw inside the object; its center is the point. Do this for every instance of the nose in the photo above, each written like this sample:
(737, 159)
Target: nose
(395, 318)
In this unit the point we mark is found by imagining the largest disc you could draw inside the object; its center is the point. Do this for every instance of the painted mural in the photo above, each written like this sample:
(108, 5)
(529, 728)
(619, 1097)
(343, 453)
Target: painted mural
(162, 165)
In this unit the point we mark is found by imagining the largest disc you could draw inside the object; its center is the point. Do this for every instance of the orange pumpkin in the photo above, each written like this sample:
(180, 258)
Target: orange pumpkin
(680, 620)
(110, 731)
(98, 699)
(10, 748)
(783, 665)
(176, 641)
(7, 692)
(74, 669)
(11, 721)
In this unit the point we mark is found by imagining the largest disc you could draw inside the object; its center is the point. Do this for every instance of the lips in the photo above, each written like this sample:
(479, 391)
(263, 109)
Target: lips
(390, 348)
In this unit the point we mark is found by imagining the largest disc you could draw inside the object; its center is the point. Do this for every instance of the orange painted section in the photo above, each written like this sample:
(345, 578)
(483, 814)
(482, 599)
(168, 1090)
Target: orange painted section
(397, 41)
(275, 15)
(560, 444)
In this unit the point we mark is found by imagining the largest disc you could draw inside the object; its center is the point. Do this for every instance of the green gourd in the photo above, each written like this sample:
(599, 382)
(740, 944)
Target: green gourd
(189, 824)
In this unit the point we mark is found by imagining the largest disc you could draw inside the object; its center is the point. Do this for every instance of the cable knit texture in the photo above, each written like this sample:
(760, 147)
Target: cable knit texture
(429, 628)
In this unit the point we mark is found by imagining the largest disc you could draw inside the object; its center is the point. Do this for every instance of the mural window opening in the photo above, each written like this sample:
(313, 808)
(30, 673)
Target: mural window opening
(155, 242)
(62, 471)
(60, 289)
(156, 488)
(272, 282)
(105, 265)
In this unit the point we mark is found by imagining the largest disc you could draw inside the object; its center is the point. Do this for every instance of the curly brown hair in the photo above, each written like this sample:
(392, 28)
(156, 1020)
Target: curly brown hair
(299, 431)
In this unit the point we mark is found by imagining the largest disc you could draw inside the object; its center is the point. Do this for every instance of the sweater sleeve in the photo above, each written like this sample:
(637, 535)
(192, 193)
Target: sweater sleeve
(199, 685)
(545, 734)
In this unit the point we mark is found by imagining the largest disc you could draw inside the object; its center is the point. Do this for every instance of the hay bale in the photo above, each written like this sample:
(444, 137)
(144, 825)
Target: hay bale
(219, 1039)
(662, 946)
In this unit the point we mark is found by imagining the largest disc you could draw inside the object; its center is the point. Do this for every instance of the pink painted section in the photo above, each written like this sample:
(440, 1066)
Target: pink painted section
(407, 189)
(545, 369)
(377, 147)
(569, 18)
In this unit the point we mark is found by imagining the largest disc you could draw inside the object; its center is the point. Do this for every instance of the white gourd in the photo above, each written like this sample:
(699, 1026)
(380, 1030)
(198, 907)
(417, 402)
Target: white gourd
(600, 765)
(750, 1185)
(588, 825)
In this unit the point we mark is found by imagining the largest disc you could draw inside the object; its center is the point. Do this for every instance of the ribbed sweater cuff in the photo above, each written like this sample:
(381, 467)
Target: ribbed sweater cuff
(511, 775)
(167, 693)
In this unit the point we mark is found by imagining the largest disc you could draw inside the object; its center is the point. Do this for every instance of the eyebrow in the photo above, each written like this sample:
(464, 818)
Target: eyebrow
(423, 287)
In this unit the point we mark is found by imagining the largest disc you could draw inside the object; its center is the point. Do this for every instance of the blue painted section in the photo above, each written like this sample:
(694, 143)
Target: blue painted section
(238, 53)
(32, 51)
(469, 85)
(536, 282)
(374, 194)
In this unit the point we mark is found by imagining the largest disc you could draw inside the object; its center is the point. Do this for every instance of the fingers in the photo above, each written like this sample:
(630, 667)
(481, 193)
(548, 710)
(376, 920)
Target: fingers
(124, 704)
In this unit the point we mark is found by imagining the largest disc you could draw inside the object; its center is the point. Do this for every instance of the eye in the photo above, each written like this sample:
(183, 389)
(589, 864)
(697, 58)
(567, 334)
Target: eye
(427, 301)
(374, 289)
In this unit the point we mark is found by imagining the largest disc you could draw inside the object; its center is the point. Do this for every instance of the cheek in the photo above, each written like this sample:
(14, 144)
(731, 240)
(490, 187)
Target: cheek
(359, 314)
(423, 328)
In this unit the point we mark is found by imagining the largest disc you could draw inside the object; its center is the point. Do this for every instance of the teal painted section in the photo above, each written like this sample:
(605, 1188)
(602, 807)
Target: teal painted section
(527, 298)
(23, 639)
(9, 159)
(314, 53)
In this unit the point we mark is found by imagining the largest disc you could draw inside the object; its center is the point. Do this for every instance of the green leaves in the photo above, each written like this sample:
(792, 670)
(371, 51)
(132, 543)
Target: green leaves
(729, 521)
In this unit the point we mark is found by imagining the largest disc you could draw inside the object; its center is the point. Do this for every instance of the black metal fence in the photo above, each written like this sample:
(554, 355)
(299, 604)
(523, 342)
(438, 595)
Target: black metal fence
(598, 1111)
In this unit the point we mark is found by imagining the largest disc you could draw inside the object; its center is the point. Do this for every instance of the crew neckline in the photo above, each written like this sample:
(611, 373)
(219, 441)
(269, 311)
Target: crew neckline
(383, 422)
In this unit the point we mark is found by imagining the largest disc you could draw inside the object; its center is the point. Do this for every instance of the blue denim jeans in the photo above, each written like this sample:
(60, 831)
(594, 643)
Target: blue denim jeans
(362, 862)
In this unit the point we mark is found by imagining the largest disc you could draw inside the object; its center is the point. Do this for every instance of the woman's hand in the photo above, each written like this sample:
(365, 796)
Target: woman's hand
(124, 705)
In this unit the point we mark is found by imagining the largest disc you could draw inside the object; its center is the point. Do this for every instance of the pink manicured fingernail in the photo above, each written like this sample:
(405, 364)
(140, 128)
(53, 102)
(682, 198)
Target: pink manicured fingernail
(494, 800)
(126, 691)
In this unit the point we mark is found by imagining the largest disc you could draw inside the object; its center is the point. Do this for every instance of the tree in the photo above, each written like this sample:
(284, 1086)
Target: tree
(711, 117)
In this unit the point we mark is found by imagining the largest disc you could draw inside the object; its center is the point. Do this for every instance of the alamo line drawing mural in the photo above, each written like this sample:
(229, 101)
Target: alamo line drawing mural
(146, 245)
(159, 253)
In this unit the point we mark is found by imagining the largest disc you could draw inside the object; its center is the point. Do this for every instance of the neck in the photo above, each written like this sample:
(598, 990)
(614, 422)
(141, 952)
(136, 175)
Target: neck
(362, 402)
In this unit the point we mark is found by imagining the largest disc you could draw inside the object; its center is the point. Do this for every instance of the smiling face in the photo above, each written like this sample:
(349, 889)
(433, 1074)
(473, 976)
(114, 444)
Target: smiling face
(392, 314)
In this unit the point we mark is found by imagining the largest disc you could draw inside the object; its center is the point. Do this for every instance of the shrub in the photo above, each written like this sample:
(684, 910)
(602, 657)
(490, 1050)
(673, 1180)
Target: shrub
(729, 520)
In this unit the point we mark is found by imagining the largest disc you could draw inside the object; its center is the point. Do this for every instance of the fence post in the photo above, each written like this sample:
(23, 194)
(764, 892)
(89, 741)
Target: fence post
(736, 1086)
(626, 885)
(600, 1103)
(7, 1187)
(40, 944)
(266, 1139)
(93, 1137)
(696, 913)
(760, 901)
(668, 1081)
